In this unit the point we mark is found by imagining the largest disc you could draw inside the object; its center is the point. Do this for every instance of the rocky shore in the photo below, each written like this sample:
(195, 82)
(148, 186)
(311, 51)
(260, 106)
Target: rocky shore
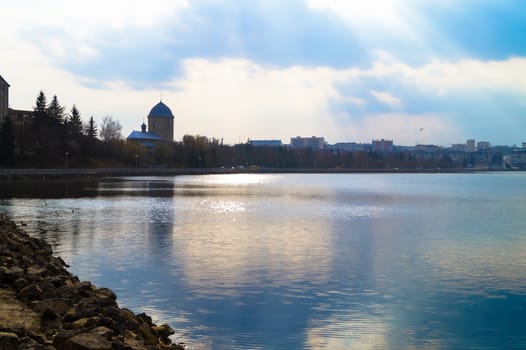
(43, 306)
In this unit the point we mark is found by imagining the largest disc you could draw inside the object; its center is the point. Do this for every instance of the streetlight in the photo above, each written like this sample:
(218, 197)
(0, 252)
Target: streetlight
(66, 154)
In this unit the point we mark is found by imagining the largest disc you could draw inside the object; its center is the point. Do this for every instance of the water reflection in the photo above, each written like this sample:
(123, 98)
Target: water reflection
(302, 261)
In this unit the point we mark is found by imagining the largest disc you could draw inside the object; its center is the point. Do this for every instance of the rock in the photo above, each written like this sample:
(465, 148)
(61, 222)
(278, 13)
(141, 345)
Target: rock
(16, 316)
(105, 296)
(30, 293)
(163, 330)
(60, 338)
(58, 306)
(8, 341)
(133, 342)
(10, 274)
(103, 332)
(34, 272)
(20, 283)
(45, 307)
(87, 341)
(86, 323)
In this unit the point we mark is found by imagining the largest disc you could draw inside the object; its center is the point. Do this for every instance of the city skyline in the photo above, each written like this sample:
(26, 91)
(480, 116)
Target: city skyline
(434, 73)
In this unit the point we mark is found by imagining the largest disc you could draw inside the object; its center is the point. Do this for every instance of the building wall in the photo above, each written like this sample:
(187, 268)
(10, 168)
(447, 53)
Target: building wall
(382, 146)
(470, 145)
(266, 143)
(481, 145)
(162, 126)
(314, 143)
(4, 99)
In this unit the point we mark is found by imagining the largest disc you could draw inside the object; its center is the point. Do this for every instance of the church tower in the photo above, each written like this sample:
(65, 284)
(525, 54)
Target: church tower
(161, 122)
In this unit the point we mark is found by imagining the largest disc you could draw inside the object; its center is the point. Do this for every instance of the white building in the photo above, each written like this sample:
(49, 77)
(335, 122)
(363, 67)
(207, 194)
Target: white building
(382, 146)
(266, 143)
(482, 145)
(314, 143)
(470, 145)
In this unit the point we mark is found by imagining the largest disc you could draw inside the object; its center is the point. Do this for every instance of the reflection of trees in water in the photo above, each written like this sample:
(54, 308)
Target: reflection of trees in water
(47, 189)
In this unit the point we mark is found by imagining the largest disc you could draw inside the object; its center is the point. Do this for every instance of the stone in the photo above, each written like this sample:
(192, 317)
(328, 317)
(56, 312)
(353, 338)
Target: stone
(163, 330)
(146, 333)
(87, 341)
(10, 274)
(105, 296)
(34, 272)
(86, 323)
(20, 283)
(58, 306)
(8, 341)
(61, 337)
(45, 307)
(133, 342)
(15, 315)
(30, 292)
(103, 332)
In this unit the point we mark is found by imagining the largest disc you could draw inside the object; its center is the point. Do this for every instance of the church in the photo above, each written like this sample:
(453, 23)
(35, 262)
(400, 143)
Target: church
(160, 128)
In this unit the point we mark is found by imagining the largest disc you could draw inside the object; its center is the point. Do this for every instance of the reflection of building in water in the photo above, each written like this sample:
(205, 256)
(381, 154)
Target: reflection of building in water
(160, 127)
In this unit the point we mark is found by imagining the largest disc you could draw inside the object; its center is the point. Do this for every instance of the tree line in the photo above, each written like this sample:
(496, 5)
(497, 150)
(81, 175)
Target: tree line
(54, 138)
(51, 136)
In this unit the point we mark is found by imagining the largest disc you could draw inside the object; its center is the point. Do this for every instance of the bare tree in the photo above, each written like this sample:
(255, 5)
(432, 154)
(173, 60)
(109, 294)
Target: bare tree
(110, 129)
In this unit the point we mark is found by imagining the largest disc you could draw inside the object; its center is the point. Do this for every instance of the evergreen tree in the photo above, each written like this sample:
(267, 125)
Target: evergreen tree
(41, 105)
(7, 143)
(91, 129)
(55, 111)
(74, 121)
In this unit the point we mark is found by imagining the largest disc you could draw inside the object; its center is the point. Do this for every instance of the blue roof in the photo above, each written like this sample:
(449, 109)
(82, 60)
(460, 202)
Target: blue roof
(161, 110)
(139, 135)
(147, 144)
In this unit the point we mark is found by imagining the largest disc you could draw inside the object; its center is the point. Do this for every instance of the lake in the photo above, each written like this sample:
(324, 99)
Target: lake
(297, 261)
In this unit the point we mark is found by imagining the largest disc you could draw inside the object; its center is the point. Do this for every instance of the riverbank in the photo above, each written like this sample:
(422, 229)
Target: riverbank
(43, 306)
(46, 174)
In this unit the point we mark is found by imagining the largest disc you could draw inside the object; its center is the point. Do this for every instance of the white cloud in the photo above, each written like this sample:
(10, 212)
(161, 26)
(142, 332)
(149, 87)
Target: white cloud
(233, 97)
(442, 77)
(82, 19)
(386, 97)
(238, 99)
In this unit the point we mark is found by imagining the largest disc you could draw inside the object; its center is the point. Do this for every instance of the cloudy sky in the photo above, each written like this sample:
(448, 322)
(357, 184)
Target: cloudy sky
(265, 69)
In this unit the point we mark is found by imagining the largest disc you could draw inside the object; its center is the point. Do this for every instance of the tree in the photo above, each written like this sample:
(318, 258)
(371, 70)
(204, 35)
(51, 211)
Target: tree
(55, 111)
(91, 129)
(7, 143)
(110, 129)
(74, 121)
(41, 105)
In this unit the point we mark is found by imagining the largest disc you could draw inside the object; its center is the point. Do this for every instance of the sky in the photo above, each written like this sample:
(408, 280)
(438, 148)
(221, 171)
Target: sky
(428, 72)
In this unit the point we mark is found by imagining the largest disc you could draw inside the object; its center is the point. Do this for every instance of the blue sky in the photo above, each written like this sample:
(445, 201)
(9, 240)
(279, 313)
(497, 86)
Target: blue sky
(346, 70)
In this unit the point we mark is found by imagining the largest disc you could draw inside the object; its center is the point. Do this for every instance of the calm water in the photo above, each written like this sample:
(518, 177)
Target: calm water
(380, 261)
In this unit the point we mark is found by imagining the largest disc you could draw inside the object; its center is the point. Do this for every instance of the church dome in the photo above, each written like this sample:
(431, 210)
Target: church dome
(161, 110)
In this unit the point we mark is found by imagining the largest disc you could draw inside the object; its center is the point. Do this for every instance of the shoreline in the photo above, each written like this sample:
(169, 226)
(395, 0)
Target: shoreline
(47, 174)
(44, 306)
